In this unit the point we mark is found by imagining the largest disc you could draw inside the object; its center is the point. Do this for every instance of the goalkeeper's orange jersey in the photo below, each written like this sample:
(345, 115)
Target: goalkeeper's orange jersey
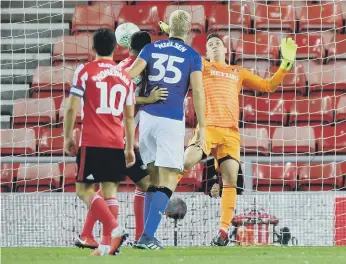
(222, 84)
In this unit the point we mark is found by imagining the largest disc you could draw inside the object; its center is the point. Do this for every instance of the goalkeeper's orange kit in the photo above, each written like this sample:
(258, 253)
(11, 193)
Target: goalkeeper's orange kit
(222, 84)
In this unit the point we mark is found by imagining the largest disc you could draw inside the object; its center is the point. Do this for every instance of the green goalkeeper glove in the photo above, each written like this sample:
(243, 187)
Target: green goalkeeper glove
(288, 52)
(164, 27)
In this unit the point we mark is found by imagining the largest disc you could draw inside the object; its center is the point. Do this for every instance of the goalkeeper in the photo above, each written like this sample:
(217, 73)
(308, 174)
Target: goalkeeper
(222, 85)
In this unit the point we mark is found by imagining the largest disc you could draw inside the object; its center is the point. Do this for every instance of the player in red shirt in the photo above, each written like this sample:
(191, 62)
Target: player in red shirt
(138, 172)
(106, 95)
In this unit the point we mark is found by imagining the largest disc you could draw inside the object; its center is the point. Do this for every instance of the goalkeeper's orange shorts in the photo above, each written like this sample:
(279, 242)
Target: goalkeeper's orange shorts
(220, 142)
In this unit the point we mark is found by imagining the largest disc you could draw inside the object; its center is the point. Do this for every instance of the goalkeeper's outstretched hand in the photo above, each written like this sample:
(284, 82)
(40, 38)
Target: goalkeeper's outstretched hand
(288, 51)
(164, 27)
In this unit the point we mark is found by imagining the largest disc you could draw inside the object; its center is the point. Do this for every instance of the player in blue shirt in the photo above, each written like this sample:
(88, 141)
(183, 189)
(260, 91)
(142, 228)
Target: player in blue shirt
(173, 65)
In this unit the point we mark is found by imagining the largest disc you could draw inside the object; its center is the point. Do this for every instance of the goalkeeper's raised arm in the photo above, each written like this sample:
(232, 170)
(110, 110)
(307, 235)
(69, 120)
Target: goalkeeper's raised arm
(288, 51)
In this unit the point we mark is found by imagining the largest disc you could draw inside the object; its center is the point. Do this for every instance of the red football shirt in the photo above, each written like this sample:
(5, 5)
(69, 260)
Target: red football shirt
(104, 89)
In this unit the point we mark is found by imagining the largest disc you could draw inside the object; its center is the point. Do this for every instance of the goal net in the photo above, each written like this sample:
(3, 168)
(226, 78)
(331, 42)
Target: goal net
(293, 141)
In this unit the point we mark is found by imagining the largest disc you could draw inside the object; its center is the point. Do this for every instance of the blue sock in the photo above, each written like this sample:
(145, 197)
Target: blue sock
(147, 202)
(157, 210)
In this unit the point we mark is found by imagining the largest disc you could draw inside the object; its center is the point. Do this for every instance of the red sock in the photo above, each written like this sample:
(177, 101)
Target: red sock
(88, 225)
(113, 206)
(138, 206)
(100, 211)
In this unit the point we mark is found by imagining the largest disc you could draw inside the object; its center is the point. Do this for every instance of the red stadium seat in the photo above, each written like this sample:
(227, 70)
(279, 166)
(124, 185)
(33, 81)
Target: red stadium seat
(18, 141)
(274, 177)
(312, 111)
(192, 180)
(310, 46)
(8, 175)
(197, 12)
(33, 112)
(328, 78)
(341, 109)
(145, 17)
(257, 47)
(69, 172)
(199, 44)
(320, 177)
(333, 139)
(38, 178)
(76, 48)
(116, 6)
(337, 48)
(321, 17)
(51, 140)
(157, 38)
(91, 18)
(293, 140)
(294, 81)
(237, 17)
(52, 78)
(270, 17)
(264, 110)
(190, 117)
(254, 141)
(61, 114)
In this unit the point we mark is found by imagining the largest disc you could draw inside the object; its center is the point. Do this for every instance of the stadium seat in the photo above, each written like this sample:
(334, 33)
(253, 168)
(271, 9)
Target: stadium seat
(294, 82)
(145, 17)
(33, 112)
(264, 110)
(91, 18)
(18, 142)
(116, 6)
(257, 47)
(190, 117)
(337, 48)
(8, 175)
(254, 141)
(310, 46)
(320, 177)
(192, 180)
(333, 139)
(38, 178)
(51, 140)
(296, 140)
(237, 17)
(199, 44)
(271, 17)
(329, 79)
(69, 172)
(341, 109)
(61, 114)
(198, 23)
(76, 48)
(274, 177)
(321, 17)
(157, 38)
(52, 78)
(312, 111)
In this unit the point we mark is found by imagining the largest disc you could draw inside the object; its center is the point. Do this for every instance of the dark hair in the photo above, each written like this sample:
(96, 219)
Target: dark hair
(104, 42)
(215, 35)
(139, 40)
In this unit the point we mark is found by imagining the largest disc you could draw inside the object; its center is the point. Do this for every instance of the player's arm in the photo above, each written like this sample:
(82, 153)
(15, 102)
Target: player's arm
(196, 81)
(288, 51)
(129, 110)
(157, 94)
(140, 63)
(71, 109)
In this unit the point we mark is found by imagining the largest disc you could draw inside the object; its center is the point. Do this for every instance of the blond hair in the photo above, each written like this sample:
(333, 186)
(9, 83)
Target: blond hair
(179, 23)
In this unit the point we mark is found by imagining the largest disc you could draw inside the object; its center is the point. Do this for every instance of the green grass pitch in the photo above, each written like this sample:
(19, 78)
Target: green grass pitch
(188, 255)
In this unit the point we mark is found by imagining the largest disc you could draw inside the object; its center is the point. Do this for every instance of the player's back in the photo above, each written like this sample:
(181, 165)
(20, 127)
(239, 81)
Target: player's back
(169, 65)
(107, 90)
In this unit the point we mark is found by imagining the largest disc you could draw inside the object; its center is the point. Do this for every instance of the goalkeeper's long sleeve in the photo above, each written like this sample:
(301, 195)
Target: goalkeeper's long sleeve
(257, 83)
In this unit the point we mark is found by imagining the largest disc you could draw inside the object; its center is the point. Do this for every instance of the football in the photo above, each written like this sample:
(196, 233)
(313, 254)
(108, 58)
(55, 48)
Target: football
(124, 32)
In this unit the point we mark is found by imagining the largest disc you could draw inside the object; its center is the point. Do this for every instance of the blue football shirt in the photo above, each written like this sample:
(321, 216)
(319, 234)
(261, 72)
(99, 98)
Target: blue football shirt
(169, 65)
